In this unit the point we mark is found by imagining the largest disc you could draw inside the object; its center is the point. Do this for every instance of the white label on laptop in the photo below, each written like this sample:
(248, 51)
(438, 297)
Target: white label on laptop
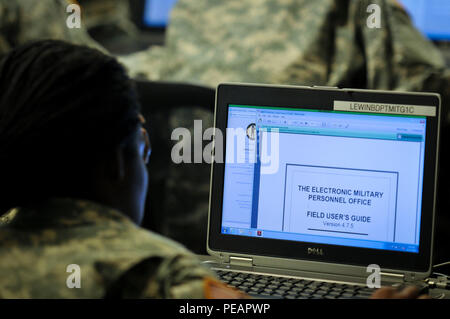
(401, 109)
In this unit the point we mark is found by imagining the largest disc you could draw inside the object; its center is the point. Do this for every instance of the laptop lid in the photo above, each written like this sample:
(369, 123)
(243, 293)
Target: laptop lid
(320, 177)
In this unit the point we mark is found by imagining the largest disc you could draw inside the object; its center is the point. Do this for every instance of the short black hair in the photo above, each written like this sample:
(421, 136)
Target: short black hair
(61, 105)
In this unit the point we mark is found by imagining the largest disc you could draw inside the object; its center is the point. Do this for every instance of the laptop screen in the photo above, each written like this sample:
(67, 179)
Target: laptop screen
(340, 178)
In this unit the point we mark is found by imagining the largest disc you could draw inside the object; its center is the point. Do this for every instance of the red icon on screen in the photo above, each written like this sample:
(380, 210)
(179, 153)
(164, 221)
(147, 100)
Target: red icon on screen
(259, 233)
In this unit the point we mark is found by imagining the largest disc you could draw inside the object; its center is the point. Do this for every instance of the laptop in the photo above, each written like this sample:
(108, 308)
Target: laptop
(322, 192)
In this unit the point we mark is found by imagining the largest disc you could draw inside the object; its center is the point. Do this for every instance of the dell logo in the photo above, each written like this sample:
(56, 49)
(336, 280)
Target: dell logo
(315, 251)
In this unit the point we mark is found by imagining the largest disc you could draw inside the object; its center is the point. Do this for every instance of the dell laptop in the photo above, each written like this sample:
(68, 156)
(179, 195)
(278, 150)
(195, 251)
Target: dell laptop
(322, 192)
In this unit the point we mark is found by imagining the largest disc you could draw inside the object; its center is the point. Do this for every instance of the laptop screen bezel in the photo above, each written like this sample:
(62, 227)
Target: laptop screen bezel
(323, 99)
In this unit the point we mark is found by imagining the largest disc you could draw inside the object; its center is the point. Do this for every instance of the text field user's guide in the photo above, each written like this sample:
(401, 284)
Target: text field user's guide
(340, 202)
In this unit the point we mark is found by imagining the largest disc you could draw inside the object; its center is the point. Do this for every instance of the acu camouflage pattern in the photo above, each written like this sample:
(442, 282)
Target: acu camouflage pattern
(108, 12)
(303, 42)
(117, 258)
(28, 20)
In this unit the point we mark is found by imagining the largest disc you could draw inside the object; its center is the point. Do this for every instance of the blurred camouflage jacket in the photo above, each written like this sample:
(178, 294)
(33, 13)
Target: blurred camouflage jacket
(304, 42)
(25, 20)
(108, 12)
(116, 258)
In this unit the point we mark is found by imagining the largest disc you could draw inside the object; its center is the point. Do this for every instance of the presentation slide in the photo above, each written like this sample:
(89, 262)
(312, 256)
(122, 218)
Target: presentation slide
(340, 202)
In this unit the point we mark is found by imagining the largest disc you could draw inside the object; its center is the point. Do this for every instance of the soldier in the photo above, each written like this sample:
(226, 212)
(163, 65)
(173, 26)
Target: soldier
(72, 159)
(180, 210)
(322, 42)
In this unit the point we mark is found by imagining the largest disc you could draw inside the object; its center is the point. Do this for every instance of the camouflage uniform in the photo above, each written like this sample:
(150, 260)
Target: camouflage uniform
(116, 258)
(304, 42)
(108, 12)
(27, 20)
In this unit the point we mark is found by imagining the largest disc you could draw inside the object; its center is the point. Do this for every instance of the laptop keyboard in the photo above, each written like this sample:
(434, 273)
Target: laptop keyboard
(266, 286)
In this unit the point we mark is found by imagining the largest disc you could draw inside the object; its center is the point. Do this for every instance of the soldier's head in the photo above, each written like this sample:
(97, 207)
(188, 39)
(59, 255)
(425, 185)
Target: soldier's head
(70, 126)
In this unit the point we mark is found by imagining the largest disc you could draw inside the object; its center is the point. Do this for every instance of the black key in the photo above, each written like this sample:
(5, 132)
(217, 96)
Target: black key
(255, 289)
(297, 289)
(256, 295)
(260, 285)
(325, 288)
(244, 288)
(292, 293)
(329, 297)
(317, 296)
(314, 285)
(309, 291)
(342, 286)
(291, 297)
(293, 281)
(366, 290)
(300, 284)
(366, 293)
(235, 283)
(334, 293)
(321, 292)
(358, 296)
(280, 292)
(272, 286)
(347, 295)
(348, 290)
(284, 288)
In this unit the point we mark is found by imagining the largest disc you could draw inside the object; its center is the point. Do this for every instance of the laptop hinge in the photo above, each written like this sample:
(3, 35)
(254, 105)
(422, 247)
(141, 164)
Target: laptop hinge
(397, 277)
(241, 261)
